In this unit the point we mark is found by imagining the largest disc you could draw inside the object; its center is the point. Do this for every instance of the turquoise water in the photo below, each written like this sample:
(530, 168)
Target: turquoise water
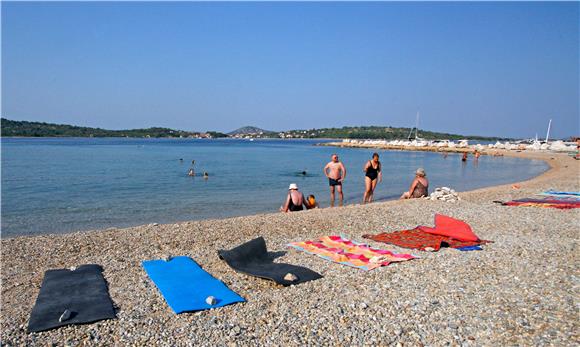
(63, 185)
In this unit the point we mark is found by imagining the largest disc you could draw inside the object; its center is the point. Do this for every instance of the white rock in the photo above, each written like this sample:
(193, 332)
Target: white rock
(64, 316)
(290, 277)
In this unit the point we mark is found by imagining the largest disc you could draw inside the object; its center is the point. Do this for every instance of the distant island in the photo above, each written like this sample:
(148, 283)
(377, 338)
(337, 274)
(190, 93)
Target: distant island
(11, 128)
(363, 132)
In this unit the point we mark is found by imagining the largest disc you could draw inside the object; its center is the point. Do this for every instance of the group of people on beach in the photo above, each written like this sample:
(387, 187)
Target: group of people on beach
(335, 171)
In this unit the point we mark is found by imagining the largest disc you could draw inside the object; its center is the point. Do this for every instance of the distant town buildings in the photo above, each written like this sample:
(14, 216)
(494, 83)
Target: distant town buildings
(256, 135)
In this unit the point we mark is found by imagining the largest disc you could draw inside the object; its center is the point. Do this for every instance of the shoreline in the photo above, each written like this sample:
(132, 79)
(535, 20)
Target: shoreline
(529, 155)
(469, 149)
(470, 298)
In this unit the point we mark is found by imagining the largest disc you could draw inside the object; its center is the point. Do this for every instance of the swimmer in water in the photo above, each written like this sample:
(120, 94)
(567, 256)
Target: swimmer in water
(205, 175)
(303, 173)
(191, 171)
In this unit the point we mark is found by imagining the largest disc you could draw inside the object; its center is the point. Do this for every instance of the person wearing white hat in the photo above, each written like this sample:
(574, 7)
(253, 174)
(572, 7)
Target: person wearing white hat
(294, 200)
(420, 186)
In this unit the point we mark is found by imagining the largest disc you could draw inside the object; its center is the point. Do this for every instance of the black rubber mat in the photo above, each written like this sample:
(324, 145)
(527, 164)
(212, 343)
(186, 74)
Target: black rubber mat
(252, 258)
(83, 292)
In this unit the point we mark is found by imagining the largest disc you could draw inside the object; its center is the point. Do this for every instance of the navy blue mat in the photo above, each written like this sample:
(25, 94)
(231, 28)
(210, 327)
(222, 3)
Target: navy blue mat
(83, 292)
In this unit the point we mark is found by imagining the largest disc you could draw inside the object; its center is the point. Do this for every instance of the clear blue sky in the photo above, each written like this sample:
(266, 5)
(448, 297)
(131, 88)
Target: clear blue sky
(471, 68)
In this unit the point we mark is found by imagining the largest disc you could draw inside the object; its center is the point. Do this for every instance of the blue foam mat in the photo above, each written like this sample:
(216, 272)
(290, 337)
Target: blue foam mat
(470, 248)
(185, 285)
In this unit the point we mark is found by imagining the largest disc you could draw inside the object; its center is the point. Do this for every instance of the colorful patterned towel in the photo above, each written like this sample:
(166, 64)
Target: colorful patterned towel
(418, 239)
(563, 202)
(346, 252)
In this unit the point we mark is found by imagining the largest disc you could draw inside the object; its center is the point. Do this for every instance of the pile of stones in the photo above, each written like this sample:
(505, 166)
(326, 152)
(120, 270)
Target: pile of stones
(444, 194)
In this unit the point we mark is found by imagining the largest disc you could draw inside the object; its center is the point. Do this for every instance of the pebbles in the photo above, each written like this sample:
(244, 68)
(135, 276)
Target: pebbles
(521, 290)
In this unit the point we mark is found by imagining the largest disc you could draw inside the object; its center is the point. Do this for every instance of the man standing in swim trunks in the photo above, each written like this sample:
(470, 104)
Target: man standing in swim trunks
(336, 173)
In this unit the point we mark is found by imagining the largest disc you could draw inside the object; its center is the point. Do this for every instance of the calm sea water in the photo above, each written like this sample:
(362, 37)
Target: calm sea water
(63, 185)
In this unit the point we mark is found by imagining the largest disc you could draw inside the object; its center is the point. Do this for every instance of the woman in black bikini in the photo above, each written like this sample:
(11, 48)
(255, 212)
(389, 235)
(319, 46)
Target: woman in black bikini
(294, 200)
(373, 175)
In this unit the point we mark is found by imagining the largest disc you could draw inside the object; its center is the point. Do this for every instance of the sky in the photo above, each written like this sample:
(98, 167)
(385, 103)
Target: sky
(497, 69)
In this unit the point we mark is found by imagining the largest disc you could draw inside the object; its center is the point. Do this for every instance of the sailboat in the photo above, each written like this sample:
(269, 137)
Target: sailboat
(548, 132)
(417, 142)
(416, 128)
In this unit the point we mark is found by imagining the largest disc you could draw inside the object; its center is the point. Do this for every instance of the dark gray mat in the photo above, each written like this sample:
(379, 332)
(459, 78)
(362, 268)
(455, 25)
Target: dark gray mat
(252, 258)
(83, 292)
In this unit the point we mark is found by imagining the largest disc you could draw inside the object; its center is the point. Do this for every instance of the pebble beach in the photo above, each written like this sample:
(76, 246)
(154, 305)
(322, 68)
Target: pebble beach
(521, 290)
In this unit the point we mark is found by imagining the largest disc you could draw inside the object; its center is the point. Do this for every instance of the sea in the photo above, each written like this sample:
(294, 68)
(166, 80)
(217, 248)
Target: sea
(60, 185)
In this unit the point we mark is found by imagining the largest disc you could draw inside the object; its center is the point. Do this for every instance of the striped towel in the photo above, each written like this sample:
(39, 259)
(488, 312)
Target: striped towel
(547, 201)
(343, 251)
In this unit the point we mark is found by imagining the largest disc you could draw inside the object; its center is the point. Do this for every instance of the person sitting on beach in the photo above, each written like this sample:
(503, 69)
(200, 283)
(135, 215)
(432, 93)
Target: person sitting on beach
(294, 200)
(311, 202)
(420, 186)
(336, 173)
(373, 175)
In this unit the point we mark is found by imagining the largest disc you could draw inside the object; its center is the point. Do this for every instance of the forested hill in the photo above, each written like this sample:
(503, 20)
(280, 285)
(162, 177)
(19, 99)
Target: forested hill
(376, 132)
(12, 128)
(38, 129)
(251, 130)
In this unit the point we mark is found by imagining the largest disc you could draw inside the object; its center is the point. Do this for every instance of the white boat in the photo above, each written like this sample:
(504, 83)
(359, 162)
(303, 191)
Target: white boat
(419, 141)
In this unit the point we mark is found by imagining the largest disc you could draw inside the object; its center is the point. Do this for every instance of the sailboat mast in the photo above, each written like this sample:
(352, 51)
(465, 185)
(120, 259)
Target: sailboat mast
(417, 125)
(548, 133)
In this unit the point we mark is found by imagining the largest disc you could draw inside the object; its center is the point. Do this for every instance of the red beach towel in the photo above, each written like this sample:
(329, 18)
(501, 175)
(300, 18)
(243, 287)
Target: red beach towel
(452, 228)
(448, 232)
(418, 239)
